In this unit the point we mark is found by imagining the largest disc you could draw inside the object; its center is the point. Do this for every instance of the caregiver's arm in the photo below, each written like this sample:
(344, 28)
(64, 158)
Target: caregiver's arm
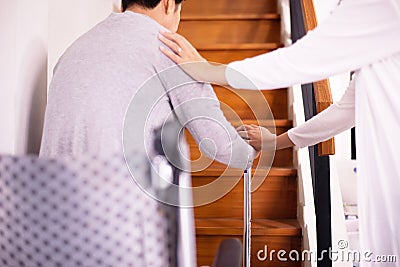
(352, 37)
(357, 33)
(183, 53)
(262, 139)
(332, 121)
(337, 118)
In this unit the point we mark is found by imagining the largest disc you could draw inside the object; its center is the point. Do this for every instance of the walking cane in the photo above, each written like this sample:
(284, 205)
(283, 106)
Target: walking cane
(247, 218)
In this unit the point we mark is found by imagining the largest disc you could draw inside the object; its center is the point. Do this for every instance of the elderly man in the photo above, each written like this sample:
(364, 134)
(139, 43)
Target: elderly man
(96, 78)
(116, 63)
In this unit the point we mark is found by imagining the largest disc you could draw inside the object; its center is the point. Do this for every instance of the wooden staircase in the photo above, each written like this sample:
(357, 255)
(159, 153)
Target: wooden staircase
(224, 31)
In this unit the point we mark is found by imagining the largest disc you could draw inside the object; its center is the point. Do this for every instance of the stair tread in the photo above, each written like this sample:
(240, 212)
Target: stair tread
(284, 227)
(240, 46)
(265, 123)
(277, 123)
(217, 169)
(229, 7)
(239, 16)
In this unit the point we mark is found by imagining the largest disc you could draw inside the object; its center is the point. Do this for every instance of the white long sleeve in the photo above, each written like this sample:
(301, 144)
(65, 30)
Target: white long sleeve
(337, 118)
(358, 32)
(364, 36)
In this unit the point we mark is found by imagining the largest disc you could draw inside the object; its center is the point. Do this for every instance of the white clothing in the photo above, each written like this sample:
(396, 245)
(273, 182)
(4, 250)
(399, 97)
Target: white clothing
(361, 36)
(337, 118)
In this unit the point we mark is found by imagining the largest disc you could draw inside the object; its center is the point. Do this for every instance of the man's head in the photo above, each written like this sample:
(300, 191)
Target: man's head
(165, 12)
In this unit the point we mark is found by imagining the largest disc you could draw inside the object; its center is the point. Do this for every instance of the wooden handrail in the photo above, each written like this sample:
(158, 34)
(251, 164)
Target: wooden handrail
(322, 89)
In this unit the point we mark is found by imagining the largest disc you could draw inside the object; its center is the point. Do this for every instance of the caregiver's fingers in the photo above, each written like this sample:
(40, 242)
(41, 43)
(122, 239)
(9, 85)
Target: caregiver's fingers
(241, 128)
(245, 127)
(173, 56)
(170, 43)
(176, 41)
(174, 37)
(244, 134)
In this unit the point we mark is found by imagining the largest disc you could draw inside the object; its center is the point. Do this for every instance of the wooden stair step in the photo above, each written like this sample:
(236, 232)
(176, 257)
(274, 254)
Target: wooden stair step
(265, 123)
(217, 169)
(248, 103)
(224, 31)
(224, 56)
(205, 226)
(238, 47)
(283, 158)
(224, 16)
(240, 31)
(283, 161)
(275, 234)
(205, 7)
(227, 53)
(251, 104)
(281, 126)
(275, 198)
(207, 247)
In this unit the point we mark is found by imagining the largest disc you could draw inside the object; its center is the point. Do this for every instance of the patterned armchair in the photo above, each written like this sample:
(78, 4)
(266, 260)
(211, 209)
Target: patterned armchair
(80, 212)
(88, 211)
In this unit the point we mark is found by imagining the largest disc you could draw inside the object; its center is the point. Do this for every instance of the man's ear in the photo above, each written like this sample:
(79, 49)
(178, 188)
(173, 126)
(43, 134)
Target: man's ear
(117, 6)
(169, 6)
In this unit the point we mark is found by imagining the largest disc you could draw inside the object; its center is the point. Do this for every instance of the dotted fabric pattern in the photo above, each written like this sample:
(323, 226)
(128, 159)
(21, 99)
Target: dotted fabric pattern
(81, 212)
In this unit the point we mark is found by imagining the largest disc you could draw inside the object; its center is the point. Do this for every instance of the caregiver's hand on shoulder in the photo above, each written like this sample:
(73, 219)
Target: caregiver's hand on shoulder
(258, 137)
(183, 53)
(181, 50)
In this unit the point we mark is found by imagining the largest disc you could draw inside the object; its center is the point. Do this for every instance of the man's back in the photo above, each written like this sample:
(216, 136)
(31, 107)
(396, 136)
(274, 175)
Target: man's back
(93, 83)
(97, 77)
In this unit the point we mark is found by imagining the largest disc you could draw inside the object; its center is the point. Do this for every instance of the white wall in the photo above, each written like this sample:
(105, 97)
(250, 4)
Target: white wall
(8, 26)
(23, 68)
(34, 34)
(68, 20)
(31, 74)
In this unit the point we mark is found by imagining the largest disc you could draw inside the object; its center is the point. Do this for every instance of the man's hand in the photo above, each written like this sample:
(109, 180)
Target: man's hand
(258, 137)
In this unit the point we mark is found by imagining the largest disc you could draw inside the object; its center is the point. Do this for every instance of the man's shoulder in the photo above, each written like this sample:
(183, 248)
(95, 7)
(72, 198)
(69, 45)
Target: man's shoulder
(122, 28)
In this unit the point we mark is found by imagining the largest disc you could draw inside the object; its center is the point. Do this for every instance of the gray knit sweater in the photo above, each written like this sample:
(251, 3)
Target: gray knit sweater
(98, 76)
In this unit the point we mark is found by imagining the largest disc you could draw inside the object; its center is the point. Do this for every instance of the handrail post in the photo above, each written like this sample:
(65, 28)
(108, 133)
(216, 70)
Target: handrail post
(247, 218)
(316, 97)
(322, 90)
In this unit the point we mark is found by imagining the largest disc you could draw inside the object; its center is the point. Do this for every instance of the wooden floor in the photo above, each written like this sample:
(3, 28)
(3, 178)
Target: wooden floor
(224, 31)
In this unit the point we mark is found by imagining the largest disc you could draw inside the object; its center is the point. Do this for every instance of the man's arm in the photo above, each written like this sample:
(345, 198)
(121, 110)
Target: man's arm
(197, 108)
